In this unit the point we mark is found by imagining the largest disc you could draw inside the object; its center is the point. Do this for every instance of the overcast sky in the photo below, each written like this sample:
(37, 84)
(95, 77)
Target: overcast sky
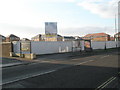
(25, 18)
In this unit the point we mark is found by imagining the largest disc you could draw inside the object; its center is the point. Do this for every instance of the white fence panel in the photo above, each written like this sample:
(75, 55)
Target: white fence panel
(50, 47)
(118, 43)
(62, 46)
(82, 45)
(98, 45)
(101, 45)
(111, 44)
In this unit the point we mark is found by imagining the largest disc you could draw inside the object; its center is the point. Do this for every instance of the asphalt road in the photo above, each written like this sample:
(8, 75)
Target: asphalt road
(95, 70)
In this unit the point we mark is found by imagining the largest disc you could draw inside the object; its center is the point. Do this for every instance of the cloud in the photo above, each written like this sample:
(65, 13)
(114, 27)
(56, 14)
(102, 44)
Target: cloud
(21, 31)
(105, 9)
(81, 31)
(29, 32)
(53, 0)
(21, 18)
(24, 13)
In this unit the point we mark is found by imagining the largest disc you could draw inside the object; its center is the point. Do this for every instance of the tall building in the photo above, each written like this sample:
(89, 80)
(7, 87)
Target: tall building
(51, 28)
(50, 31)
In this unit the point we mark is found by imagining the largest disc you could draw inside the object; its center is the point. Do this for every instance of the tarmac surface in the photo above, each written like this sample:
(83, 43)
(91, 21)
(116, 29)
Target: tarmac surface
(97, 69)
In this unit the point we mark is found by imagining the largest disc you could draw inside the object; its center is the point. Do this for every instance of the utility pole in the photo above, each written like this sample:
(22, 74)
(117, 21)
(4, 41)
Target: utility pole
(115, 31)
(118, 23)
(118, 15)
(115, 25)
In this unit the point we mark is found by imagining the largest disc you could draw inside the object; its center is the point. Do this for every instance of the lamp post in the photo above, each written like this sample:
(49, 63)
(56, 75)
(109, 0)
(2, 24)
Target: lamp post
(118, 23)
(115, 31)
(105, 39)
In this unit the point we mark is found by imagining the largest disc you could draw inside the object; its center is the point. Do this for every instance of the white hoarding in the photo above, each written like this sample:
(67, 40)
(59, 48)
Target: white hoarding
(50, 27)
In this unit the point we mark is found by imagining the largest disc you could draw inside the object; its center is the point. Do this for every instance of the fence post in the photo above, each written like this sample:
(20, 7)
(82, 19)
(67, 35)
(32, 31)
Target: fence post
(105, 45)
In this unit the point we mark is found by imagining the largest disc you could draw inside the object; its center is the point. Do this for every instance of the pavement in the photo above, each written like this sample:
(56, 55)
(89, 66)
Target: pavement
(10, 62)
(96, 70)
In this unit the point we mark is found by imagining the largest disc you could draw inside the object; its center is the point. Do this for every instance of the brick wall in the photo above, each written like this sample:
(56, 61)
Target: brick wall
(100, 39)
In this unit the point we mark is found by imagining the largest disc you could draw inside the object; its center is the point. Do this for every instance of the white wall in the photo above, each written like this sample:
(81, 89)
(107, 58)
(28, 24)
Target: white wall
(50, 47)
(101, 45)
(82, 45)
(111, 44)
(97, 45)
(61, 46)
(118, 43)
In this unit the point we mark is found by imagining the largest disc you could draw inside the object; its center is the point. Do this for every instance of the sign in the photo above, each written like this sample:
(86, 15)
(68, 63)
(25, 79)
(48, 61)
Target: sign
(87, 44)
(25, 46)
(50, 27)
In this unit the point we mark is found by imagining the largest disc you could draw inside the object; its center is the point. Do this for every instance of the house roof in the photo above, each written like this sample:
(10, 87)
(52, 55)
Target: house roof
(25, 39)
(117, 33)
(96, 34)
(12, 35)
(69, 37)
(2, 36)
(59, 35)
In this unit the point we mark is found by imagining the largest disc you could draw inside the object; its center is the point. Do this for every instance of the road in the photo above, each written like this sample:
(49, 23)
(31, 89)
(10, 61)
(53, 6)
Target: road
(92, 70)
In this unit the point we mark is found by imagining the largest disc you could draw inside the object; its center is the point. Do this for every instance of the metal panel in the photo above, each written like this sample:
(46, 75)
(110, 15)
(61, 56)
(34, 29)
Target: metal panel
(25, 47)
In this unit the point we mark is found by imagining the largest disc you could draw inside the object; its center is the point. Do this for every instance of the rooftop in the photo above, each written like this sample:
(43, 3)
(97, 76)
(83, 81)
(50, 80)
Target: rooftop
(12, 35)
(96, 34)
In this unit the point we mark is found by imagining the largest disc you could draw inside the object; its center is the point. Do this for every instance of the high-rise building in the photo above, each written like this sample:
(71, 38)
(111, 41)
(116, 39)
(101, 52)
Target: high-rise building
(51, 28)
(51, 31)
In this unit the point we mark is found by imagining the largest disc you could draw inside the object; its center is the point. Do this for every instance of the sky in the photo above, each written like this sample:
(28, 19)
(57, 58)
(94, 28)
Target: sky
(26, 18)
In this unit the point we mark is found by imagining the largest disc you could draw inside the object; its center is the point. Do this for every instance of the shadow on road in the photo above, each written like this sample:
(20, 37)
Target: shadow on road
(82, 76)
(73, 55)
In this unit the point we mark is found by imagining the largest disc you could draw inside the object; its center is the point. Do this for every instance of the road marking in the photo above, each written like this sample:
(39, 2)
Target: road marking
(106, 83)
(105, 56)
(84, 62)
(75, 59)
(38, 74)
(10, 64)
(45, 61)
(28, 77)
(109, 82)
